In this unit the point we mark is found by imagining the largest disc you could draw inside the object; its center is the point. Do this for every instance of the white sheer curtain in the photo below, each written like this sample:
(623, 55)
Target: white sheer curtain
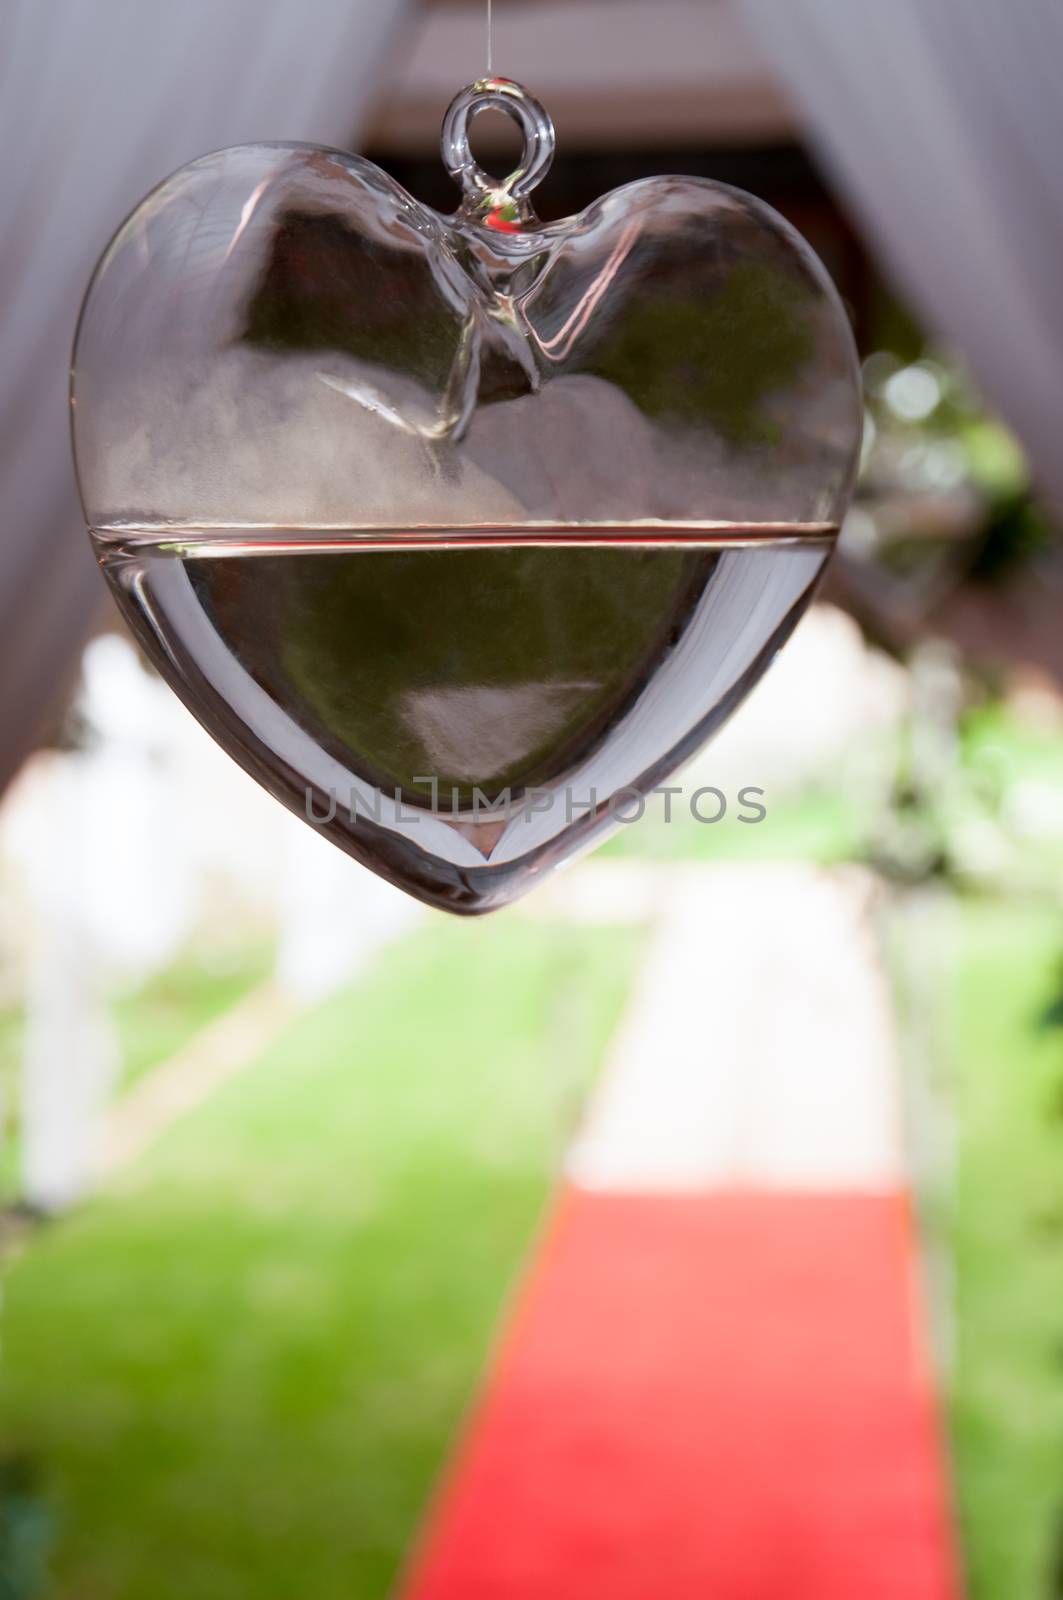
(942, 123)
(99, 99)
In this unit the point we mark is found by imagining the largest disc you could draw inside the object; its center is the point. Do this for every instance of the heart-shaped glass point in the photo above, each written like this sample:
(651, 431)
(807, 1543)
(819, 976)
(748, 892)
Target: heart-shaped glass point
(459, 532)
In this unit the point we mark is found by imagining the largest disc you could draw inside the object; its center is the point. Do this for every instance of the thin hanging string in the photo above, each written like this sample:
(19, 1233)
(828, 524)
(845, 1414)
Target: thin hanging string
(489, 61)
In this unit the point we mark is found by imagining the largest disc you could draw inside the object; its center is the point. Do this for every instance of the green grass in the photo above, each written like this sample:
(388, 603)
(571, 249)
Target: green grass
(237, 1373)
(160, 1016)
(152, 1022)
(1007, 1237)
(996, 741)
(12, 1024)
(821, 825)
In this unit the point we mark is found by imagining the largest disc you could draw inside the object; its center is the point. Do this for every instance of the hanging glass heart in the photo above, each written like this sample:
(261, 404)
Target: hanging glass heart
(459, 533)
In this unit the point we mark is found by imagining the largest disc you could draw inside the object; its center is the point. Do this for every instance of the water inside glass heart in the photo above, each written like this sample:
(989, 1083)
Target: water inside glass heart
(455, 532)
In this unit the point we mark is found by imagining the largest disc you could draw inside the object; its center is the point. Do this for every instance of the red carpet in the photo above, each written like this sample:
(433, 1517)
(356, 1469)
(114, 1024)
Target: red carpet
(714, 1396)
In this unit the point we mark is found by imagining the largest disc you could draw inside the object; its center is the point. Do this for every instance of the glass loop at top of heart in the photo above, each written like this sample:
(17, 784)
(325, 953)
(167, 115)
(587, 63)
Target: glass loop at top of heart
(501, 202)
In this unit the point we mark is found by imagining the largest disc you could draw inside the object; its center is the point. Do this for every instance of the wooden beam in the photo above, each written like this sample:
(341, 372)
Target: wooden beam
(611, 73)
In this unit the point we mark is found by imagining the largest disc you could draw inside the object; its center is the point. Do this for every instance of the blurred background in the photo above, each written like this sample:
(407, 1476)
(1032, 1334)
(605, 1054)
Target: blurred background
(277, 1142)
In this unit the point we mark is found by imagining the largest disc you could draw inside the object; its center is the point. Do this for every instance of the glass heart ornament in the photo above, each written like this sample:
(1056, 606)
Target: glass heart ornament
(459, 533)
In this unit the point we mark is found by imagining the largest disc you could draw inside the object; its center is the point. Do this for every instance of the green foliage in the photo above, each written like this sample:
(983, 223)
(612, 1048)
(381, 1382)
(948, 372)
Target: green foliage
(1007, 1238)
(26, 1531)
(1016, 532)
(985, 818)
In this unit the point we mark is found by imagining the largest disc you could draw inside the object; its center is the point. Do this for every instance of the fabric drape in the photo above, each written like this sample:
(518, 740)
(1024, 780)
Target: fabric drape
(98, 102)
(941, 122)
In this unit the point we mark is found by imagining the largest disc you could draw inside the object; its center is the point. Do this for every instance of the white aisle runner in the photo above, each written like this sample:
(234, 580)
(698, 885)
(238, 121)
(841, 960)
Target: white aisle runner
(758, 1049)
